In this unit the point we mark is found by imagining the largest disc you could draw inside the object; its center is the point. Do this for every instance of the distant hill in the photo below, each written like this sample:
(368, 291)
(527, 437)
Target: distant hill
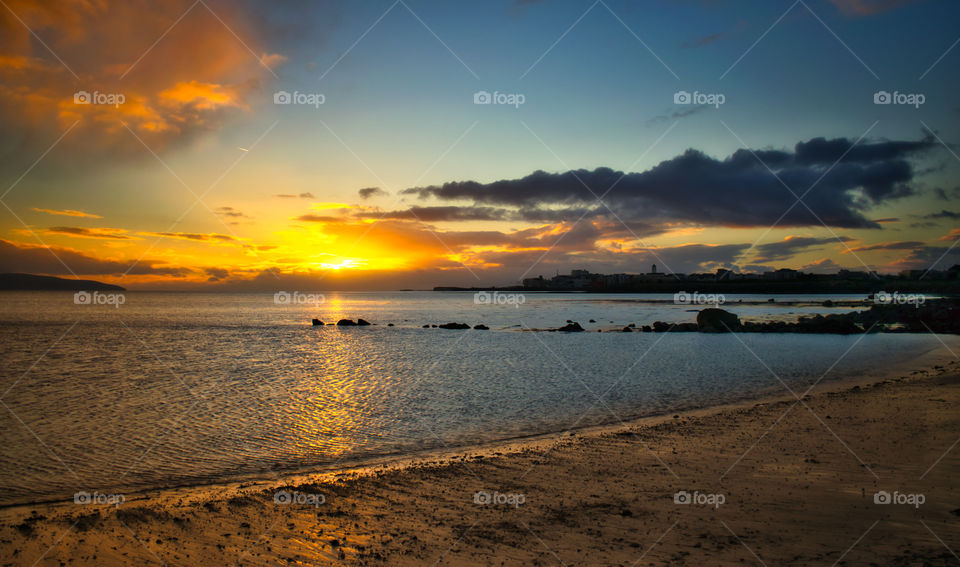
(30, 282)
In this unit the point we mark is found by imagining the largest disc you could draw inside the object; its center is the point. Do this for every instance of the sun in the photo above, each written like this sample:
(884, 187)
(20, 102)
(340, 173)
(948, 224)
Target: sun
(342, 265)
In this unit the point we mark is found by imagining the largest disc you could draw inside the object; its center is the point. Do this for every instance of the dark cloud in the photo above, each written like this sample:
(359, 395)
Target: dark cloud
(440, 214)
(678, 114)
(216, 274)
(901, 245)
(931, 257)
(318, 218)
(944, 214)
(368, 192)
(793, 245)
(57, 261)
(738, 191)
(230, 212)
(195, 236)
(99, 233)
(291, 196)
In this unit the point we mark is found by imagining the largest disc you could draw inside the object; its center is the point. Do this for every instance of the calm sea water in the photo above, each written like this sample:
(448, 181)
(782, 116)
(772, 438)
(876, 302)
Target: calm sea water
(186, 388)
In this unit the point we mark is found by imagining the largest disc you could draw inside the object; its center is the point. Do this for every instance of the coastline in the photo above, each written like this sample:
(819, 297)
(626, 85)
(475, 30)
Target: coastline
(515, 444)
(349, 524)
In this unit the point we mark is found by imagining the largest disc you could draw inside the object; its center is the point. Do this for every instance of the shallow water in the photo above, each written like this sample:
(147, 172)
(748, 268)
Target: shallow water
(179, 388)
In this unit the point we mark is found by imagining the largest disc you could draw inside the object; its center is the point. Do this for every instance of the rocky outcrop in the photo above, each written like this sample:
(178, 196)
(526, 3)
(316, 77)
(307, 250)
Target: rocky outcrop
(715, 320)
(454, 326)
(317, 322)
(346, 323)
(571, 327)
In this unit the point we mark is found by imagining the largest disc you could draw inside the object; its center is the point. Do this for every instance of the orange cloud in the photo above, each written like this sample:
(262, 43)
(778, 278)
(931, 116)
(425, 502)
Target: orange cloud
(98, 233)
(167, 70)
(68, 213)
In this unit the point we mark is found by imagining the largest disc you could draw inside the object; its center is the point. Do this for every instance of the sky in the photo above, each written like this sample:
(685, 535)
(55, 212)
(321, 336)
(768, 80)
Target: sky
(253, 145)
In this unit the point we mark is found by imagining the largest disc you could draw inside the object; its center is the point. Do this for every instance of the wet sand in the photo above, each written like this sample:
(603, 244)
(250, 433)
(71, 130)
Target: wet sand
(779, 482)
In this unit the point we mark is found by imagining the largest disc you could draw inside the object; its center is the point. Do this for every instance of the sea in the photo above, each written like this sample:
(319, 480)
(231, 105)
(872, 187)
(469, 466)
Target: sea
(135, 391)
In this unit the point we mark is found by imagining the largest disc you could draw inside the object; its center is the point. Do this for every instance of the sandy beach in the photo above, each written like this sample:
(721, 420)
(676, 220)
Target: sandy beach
(779, 482)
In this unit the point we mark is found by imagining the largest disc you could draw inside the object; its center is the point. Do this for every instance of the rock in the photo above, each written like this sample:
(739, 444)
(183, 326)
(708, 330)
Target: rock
(591, 320)
(481, 328)
(626, 330)
(571, 327)
(389, 324)
(660, 327)
(713, 320)
(346, 323)
(426, 326)
(632, 325)
(362, 322)
(454, 326)
(646, 329)
(828, 303)
(317, 322)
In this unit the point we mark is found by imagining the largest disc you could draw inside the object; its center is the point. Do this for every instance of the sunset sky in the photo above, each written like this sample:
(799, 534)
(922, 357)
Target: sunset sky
(182, 168)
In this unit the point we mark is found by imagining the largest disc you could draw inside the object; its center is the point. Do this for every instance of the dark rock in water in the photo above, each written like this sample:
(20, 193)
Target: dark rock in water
(346, 323)
(426, 326)
(632, 325)
(646, 329)
(626, 330)
(571, 327)
(317, 322)
(389, 324)
(591, 320)
(684, 328)
(828, 303)
(481, 327)
(362, 322)
(433, 326)
(660, 327)
(713, 320)
(454, 326)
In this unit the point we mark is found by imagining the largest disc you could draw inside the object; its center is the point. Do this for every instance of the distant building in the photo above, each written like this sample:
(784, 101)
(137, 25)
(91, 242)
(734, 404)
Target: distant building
(782, 274)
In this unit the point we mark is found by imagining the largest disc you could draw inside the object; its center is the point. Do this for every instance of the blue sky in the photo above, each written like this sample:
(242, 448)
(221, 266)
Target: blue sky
(397, 80)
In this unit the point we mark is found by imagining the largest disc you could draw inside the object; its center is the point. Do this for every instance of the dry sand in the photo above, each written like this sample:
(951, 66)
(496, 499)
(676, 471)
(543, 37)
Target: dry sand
(797, 482)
